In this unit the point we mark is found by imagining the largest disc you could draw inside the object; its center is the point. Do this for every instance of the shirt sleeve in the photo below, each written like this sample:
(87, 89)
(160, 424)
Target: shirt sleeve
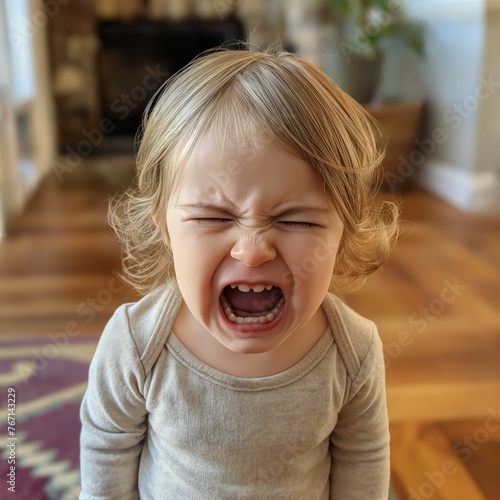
(360, 441)
(113, 416)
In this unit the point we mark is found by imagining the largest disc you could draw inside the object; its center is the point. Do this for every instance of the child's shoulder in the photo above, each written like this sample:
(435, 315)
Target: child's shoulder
(149, 320)
(153, 309)
(356, 336)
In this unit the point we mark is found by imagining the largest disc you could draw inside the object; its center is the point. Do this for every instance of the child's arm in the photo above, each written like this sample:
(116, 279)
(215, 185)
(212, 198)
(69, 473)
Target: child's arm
(113, 416)
(360, 440)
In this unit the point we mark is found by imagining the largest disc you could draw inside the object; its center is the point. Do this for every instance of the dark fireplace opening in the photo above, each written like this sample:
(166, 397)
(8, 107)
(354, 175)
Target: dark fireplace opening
(136, 57)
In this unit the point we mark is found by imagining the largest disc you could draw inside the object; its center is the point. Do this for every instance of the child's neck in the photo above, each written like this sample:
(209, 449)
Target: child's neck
(209, 350)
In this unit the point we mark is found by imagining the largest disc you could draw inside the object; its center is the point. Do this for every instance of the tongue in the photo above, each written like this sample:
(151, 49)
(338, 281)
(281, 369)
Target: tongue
(253, 302)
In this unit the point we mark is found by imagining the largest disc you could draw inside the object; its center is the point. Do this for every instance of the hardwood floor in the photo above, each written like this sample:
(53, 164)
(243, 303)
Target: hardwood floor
(60, 262)
(436, 303)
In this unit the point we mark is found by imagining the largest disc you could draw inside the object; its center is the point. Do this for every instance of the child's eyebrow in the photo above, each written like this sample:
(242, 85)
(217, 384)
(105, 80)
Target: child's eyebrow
(301, 210)
(207, 207)
(297, 210)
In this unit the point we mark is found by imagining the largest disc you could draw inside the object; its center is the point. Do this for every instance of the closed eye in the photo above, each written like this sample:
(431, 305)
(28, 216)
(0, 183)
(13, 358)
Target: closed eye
(211, 220)
(219, 221)
(292, 223)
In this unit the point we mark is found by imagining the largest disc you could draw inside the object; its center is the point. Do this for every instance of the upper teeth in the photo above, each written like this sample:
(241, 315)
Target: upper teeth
(255, 288)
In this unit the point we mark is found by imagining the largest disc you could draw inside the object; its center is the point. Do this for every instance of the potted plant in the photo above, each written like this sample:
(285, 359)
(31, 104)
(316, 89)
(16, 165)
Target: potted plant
(366, 29)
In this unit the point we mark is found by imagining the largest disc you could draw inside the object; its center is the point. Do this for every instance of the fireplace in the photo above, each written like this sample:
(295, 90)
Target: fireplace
(136, 57)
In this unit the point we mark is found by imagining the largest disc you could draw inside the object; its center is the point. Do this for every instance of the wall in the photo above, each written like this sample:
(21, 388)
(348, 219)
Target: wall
(44, 123)
(8, 145)
(25, 92)
(462, 101)
(488, 130)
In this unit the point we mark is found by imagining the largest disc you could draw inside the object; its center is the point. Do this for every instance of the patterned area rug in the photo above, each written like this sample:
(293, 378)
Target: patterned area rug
(42, 382)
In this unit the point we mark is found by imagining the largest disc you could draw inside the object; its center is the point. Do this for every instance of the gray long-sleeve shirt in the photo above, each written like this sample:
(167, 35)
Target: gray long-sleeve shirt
(158, 423)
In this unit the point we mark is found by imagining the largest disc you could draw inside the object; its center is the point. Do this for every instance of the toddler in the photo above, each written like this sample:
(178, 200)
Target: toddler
(240, 375)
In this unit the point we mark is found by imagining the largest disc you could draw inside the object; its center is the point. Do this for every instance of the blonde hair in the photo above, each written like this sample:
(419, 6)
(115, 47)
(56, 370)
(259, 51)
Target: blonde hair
(246, 93)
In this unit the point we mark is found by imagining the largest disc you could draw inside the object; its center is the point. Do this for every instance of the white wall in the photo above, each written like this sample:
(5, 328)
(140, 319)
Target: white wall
(488, 130)
(44, 120)
(26, 90)
(454, 32)
(457, 85)
(8, 145)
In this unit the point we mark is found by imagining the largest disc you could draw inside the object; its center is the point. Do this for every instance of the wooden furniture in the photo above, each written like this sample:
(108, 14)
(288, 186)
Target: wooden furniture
(399, 128)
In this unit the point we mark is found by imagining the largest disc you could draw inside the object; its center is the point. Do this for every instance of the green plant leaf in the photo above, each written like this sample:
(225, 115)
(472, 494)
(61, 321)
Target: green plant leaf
(355, 17)
(381, 4)
(340, 7)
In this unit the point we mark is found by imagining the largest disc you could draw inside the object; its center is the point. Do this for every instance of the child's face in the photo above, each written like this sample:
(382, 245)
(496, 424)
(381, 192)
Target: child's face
(257, 220)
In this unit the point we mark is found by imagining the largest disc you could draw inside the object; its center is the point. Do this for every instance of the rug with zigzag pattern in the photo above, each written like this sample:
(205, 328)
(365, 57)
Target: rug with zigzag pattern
(42, 381)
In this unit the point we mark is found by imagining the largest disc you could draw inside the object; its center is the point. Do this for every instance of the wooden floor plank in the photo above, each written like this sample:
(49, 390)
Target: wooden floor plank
(425, 464)
(433, 401)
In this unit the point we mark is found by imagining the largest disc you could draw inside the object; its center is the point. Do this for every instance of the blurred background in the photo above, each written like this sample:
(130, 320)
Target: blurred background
(75, 78)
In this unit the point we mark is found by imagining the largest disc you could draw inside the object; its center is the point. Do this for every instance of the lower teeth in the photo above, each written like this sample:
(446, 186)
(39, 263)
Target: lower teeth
(251, 320)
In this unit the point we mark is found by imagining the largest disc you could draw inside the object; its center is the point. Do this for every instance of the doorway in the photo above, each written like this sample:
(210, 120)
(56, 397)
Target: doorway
(17, 91)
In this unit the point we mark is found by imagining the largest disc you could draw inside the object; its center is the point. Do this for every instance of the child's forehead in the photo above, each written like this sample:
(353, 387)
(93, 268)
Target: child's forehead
(234, 153)
(232, 141)
(265, 169)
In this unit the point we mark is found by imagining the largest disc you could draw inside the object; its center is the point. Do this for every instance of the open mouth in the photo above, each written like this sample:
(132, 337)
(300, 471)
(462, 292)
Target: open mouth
(256, 304)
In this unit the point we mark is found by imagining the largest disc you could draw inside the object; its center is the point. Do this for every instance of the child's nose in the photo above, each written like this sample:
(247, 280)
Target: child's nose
(253, 250)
